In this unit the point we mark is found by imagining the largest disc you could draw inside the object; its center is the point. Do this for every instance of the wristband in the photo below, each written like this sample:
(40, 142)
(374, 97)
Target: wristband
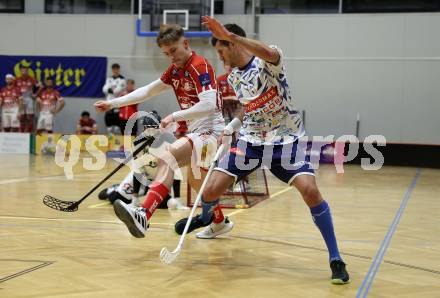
(232, 126)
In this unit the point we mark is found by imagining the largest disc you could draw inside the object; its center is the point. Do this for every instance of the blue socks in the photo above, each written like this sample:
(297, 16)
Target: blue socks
(323, 220)
(208, 210)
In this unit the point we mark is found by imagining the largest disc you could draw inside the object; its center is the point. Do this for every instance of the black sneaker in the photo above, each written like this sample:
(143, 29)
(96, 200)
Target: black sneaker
(114, 196)
(196, 223)
(104, 194)
(339, 274)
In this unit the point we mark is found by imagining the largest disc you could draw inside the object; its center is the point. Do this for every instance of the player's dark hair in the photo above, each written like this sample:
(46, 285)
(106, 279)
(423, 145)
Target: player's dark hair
(169, 33)
(85, 113)
(130, 81)
(116, 65)
(234, 28)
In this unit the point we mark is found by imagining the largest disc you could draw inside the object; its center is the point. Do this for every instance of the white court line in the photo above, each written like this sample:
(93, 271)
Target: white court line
(284, 254)
(280, 192)
(14, 180)
(58, 219)
(117, 222)
(75, 220)
(235, 212)
(271, 197)
(100, 205)
(32, 179)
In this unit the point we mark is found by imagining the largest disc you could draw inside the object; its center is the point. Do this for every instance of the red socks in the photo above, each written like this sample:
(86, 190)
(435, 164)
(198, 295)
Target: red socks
(155, 196)
(218, 214)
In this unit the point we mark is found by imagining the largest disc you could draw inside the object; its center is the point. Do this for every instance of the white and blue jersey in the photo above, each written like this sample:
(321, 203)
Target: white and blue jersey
(271, 125)
(270, 117)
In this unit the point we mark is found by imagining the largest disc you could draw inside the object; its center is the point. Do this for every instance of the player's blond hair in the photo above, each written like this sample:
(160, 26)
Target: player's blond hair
(169, 33)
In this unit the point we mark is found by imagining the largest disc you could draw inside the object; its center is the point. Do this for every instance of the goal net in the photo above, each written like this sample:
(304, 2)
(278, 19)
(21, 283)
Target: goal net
(245, 194)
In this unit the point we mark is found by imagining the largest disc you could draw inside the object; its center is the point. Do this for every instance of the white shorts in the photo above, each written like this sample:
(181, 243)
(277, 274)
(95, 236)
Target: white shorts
(10, 119)
(28, 103)
(45, 121)
(204, 148)
(146, 164)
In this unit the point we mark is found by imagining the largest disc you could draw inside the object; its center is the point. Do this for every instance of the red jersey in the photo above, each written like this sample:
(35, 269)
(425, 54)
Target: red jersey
(127, 111)
(86, 123)
(197, 76)
(229, 99)
(25, 85)
(9, 96)
(226, 91)
(49, 99)
(181, 127)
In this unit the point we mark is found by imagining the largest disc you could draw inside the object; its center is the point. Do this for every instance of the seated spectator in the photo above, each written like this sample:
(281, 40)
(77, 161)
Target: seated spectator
(86, 125)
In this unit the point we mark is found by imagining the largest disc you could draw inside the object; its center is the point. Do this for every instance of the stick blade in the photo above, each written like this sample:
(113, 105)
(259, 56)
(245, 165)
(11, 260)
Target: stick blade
(64, 206)
(168, 257)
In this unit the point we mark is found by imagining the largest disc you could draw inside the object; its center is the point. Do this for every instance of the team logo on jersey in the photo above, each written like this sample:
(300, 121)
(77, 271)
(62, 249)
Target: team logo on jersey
(175, 72)
(175, 83)
(262, 100)
(188, 86)
(204, 79)
(186, 73)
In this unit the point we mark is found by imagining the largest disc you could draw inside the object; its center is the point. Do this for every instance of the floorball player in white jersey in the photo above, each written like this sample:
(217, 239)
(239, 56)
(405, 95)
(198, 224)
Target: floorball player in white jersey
(269, 129)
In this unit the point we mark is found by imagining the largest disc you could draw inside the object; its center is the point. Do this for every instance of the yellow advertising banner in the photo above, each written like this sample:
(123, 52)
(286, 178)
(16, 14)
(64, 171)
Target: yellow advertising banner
(47, 144)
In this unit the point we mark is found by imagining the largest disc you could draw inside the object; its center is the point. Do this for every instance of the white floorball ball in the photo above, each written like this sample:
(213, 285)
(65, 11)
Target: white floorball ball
(173, 204)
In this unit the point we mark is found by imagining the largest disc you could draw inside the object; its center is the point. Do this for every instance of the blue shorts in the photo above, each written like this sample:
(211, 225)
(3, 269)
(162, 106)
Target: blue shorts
(284, 161)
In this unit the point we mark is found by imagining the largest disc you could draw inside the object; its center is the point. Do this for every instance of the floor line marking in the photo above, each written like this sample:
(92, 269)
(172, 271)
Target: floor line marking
(280, 192)
(235, 212)
(23, 272)
(75, 220)
(371, 274)
(100, 205)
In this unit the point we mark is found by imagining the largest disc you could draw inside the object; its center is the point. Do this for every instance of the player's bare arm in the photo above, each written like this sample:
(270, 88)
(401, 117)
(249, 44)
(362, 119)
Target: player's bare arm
(59, 106)
(38, 106)
(255, 47)
(20, 104)
(137, 96)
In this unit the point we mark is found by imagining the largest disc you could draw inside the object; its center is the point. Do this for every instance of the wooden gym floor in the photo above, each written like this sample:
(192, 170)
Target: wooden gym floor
(387, 223)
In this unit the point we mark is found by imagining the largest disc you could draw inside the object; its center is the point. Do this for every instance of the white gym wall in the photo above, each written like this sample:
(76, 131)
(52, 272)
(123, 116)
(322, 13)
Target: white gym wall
(385, 66)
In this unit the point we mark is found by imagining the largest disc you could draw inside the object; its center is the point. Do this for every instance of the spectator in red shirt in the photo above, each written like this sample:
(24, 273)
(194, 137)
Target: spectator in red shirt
(29, 89)
(11, 103)
(126, 111)
(86, 125)
(49, 103)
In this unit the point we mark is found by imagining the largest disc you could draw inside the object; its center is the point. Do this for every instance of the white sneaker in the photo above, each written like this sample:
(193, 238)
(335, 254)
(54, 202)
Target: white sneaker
(134, 218)
(213, 230)
(135, 201)
(180, 206)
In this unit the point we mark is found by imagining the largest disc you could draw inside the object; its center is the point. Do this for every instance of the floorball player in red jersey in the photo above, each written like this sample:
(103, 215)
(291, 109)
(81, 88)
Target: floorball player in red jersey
(193, 80)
